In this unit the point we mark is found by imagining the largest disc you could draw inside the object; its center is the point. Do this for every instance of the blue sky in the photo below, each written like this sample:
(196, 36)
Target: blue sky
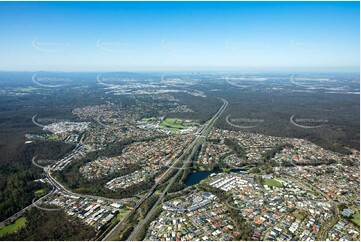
(92, 36)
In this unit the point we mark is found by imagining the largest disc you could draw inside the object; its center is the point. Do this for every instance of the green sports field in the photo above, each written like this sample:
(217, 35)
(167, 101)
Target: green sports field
(272, 183)
(175, 124)
(11, 228)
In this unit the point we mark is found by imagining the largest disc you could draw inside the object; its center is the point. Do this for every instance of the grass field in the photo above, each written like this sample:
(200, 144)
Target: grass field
(298, 215)
(272, 183)
(119, 216)
(175, 124)
(53, 137)
(11, 228)
(356, 218)
(149, 119)
(39, 192)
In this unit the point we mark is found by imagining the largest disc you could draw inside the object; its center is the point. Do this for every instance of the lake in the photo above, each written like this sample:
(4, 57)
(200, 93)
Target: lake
(198, 176)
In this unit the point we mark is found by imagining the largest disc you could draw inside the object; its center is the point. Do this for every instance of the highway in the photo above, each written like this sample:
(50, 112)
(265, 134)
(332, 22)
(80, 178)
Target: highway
(62, 189)
(189, 152)
(56, 187)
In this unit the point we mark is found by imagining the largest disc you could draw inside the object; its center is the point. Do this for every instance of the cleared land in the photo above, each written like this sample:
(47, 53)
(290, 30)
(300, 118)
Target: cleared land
(11, 228)
(53, 137)
(39, 192)
(174, 123)
(119, 216)
(272, 183)
(356, 218)
(149, 119)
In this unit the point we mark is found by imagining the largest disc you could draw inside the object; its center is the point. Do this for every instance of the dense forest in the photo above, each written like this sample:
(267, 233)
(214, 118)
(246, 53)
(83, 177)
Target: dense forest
(339, 116)
(18, 185)
(54, 225)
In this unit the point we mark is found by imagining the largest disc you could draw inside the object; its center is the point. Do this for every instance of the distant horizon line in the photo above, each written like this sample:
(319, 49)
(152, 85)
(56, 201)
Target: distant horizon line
(243, 69)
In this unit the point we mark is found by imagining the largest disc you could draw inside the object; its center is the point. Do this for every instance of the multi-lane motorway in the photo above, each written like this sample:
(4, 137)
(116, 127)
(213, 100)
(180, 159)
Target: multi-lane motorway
(185, 158)
(194, 144)
(187, 154)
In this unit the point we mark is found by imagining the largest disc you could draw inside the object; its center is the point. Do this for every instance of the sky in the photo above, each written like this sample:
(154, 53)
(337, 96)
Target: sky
(152, 36)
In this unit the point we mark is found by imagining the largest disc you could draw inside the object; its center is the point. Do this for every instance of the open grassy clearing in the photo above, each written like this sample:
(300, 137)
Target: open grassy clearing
(298, 215)
(149, 119)
(39, 193)
(53, 137)
(272, 183)
(11, 228)
(176, 123)
(119, 217)
(356, 218)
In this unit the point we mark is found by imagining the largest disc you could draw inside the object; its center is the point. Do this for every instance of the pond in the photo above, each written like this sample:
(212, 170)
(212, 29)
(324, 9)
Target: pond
(198, 176)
